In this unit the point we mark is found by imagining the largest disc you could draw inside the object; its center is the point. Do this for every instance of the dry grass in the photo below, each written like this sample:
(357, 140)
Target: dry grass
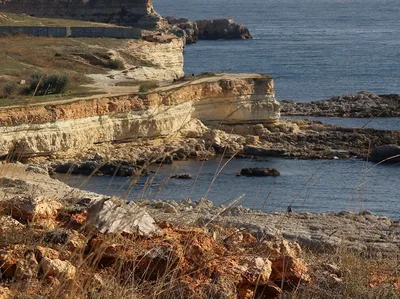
(10, 19)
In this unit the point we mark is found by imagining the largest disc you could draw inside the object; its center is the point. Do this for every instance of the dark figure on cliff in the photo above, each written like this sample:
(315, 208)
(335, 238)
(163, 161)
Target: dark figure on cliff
(289, 209)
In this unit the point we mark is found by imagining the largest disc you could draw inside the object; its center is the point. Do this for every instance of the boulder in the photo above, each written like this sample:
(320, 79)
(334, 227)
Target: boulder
(27, 269)
(259, 172)
(114, 215)
(386, 152)
(10, 225)
(222, 29)
(34, 209)
(291, 270)
(256, 270)
(57, 268)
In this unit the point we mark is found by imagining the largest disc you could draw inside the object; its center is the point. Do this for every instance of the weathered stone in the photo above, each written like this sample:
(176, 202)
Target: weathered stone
(34, 209)
(256, 270)
(28, 268)
(222, 29)
(289, 269)
(189, 27)
(76, 241)
(58, 268)
(117, 216)
(9, 225)
(42, 252)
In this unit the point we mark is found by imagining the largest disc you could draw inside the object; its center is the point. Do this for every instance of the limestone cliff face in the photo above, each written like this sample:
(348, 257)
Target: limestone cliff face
(166, 111)
(165, 59)
(121, 12)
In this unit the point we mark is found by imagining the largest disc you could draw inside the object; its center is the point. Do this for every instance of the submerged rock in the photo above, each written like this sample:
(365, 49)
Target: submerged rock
(182, 176)
(258, 171)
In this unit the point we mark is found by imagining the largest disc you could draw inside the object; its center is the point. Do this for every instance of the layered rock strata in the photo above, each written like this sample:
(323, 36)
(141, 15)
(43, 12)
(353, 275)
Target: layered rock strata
(121, 12)
(164, 112)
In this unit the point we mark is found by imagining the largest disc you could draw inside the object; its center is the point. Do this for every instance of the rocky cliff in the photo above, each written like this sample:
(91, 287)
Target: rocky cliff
(121, 12)
(165, 111)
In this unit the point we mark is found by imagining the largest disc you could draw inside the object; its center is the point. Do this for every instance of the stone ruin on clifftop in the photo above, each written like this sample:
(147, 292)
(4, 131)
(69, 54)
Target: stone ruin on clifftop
(138, 13)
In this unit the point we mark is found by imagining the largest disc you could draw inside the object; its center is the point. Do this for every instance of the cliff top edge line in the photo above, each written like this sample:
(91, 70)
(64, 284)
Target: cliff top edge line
(138, 13)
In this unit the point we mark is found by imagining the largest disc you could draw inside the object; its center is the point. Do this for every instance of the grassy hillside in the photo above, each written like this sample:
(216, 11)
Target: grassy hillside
(9, 19)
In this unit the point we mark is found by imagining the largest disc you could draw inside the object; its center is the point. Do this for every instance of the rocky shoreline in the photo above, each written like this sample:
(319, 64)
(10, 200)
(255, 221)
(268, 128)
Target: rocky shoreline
(300, 139)
(363, 104)
(56, 234)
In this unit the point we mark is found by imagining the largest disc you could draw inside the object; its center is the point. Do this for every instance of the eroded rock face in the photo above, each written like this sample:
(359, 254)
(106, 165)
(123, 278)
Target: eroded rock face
(121, 12)
(164, 112)
(188, 26)
(222, 29)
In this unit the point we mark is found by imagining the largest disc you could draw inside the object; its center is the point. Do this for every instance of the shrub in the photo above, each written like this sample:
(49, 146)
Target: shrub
(10, 89)
(116, 64)
(148, 86)
(47, 84)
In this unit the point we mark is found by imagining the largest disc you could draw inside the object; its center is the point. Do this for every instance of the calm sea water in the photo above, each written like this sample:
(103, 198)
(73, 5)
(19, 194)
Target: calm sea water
(310, 186)
(315, 49)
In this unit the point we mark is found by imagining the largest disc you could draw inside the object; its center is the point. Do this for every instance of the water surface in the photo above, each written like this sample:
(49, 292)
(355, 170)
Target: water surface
(315, 49)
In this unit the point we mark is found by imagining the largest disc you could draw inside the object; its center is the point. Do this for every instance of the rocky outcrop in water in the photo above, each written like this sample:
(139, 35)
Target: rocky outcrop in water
(222, 29)
(259, 172)
(210, 29)
(189, 28)
(363, 104)
(386, 153)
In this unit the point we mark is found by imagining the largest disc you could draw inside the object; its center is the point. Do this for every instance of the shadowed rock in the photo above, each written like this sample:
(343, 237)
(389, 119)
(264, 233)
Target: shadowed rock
(389, 153)
(258, 171)
(222, 29)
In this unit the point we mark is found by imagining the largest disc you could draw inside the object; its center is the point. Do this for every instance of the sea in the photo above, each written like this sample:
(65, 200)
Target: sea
(315, 49)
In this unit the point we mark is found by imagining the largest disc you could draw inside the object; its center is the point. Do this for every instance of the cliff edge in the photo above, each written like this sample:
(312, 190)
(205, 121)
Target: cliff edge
(121, 12)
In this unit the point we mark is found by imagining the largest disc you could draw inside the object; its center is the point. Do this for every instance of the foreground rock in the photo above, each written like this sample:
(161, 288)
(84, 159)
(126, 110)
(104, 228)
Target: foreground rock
(364, 233)
(222, 29)
(117, 216)
(259, 172)
(386, 153)
(363, 104)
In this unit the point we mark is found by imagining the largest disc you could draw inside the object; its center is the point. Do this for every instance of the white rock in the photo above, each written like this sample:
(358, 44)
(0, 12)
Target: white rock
(116, 216)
